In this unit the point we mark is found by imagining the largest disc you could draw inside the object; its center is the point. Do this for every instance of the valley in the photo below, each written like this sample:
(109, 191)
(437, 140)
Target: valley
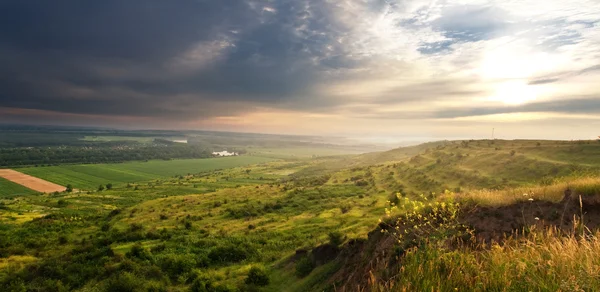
(183, 224)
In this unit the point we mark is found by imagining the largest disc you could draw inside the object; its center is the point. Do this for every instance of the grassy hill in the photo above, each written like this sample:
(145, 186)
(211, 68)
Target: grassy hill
(313, 224)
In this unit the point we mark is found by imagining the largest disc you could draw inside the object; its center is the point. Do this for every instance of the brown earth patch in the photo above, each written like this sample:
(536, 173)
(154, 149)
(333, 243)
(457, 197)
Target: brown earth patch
(496, 223)
(31, 182)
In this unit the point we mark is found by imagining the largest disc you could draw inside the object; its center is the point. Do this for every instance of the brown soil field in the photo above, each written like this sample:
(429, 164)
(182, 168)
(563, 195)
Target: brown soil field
(31, 182)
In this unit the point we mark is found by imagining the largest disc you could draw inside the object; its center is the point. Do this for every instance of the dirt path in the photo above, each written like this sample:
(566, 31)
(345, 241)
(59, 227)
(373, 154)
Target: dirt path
(31, 182)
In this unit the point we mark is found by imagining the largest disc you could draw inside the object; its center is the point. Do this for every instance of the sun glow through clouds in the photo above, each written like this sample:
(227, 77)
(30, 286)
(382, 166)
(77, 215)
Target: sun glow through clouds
(515, 92)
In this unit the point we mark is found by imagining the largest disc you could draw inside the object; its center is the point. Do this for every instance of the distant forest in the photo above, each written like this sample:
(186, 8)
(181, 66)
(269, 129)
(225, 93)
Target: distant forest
(22, 145)
(44, 146)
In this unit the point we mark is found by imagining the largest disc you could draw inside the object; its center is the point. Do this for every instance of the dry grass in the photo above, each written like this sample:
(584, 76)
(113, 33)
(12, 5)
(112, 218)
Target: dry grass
(587, 186)
(543, 261)
(540, 260)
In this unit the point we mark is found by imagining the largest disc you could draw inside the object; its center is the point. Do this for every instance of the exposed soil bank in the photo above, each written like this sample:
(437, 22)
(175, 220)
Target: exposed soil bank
(364, 261)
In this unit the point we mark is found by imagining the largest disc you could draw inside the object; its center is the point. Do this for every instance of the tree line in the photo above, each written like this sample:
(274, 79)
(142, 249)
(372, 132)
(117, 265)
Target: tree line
(99, 153)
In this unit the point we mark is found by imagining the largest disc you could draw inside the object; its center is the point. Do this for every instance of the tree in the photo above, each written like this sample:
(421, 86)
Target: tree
(108, 186)
(100, 188)
(69, 188)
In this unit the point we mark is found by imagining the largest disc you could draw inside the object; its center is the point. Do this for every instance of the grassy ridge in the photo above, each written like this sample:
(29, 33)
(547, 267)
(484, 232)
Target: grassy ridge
(89, 176)
(10, 188)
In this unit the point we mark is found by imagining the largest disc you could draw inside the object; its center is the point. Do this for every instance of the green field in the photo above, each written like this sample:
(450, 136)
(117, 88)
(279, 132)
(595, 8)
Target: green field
(89, 176)
(180, 232)
(9, 188)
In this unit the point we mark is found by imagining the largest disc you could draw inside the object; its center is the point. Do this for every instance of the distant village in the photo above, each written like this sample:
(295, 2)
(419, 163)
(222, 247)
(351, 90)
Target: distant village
(225, 153)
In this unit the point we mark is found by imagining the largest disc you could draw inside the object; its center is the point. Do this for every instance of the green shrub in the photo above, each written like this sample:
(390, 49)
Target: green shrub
(201, 285)
(62, 239)
(336, 238)
(176, 264)
(62, 203)
(139, 252)
(124, 282)
(258, 277)
(304, 266)
(155, 287)
(205, 284)
(228, 254)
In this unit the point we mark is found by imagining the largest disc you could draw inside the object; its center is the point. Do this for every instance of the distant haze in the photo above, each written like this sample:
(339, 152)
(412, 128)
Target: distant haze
(376, 71)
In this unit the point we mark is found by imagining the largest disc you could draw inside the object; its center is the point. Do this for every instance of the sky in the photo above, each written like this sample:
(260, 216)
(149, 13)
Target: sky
(378, 70)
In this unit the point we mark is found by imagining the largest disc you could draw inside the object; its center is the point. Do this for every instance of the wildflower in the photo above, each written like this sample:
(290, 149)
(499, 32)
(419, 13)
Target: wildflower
(536, 218)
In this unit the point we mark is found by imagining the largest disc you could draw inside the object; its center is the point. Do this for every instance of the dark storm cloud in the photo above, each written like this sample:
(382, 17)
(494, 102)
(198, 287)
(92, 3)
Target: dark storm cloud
(590, 105)
(136, 57)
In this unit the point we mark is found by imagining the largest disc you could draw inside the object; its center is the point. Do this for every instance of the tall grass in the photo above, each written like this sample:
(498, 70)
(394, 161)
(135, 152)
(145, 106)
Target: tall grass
(586, 186)
(542, 261)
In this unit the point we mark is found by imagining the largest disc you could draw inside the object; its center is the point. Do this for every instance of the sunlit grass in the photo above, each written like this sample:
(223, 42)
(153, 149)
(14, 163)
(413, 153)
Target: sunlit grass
(543, 261)
(16, 262)
(555, 192)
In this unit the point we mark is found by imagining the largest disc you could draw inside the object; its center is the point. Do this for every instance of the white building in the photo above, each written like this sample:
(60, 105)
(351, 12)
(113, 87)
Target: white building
(224, 153)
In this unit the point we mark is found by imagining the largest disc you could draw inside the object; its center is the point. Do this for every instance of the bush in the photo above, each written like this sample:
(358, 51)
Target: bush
(62, 203)
(62, 239)
(336, 238)
(203, 283)
(156, 287)
(139, 252)
(304, 266)
(361, 183)
(227, 254)
(176, 264)
(258, 277)
(123, 282)
(345, 209)
(105, 227)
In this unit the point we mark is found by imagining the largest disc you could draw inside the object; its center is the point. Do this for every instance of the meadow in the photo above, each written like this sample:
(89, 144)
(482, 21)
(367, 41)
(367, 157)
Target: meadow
(9, 188)
(90, 176)
(313, 224)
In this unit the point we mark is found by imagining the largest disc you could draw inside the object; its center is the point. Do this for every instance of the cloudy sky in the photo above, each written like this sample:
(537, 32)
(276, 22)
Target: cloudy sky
(421, 69)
